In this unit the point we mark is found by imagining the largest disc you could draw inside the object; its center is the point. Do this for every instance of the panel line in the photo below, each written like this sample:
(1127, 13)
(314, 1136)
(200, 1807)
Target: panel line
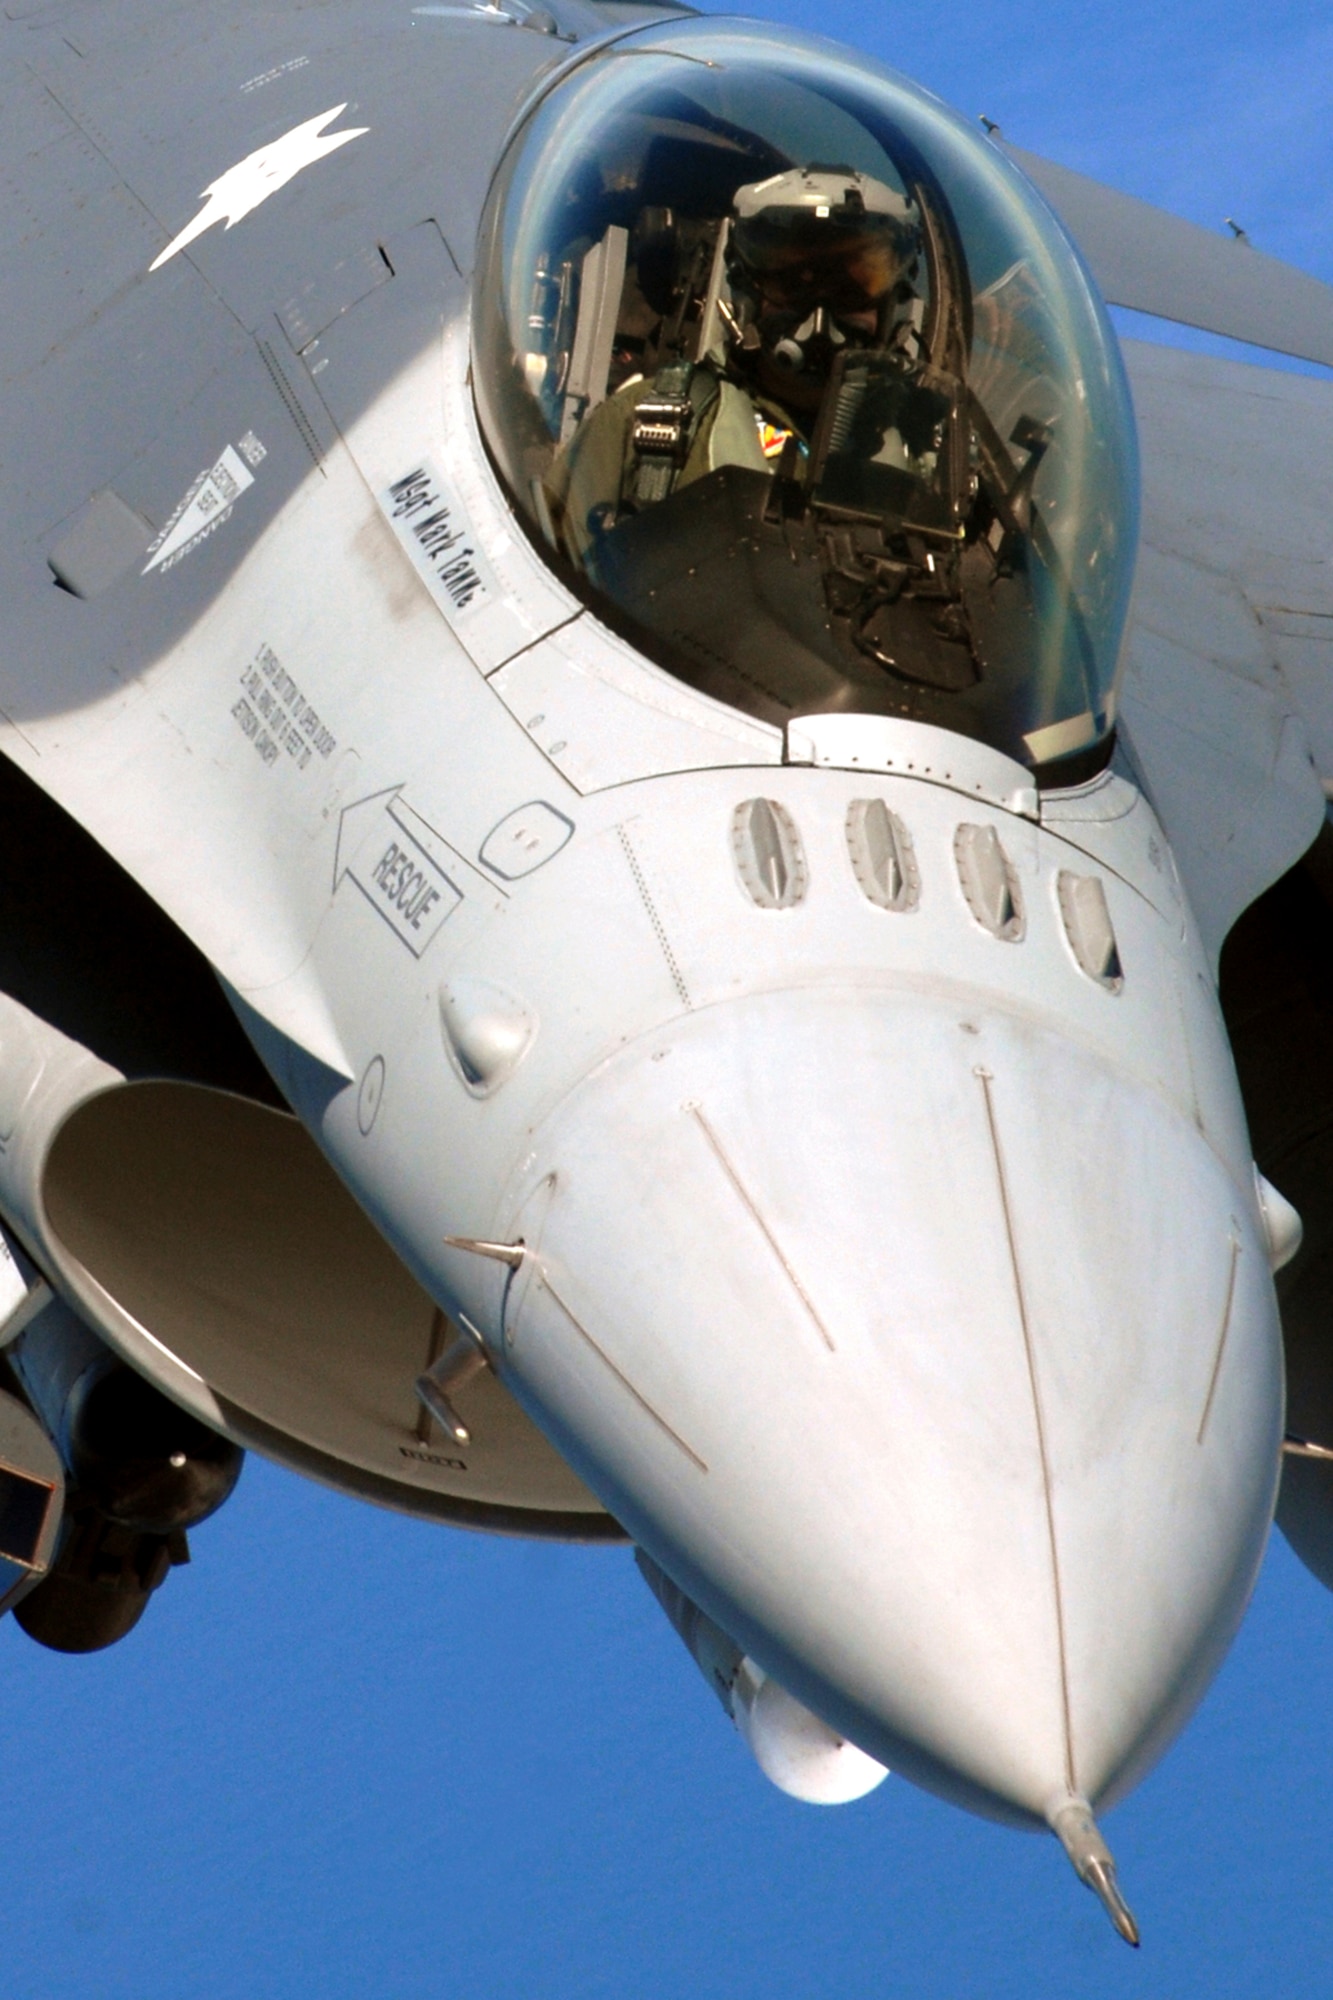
(985, 1078)
(1222, 1337)
(696, 1112)
(621, 1377)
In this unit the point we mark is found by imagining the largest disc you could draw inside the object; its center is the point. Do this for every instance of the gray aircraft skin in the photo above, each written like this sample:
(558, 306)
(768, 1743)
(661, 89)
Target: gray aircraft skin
(666, 871)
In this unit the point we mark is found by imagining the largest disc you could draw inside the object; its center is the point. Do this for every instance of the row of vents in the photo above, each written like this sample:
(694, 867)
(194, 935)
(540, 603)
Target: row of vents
(770, 861)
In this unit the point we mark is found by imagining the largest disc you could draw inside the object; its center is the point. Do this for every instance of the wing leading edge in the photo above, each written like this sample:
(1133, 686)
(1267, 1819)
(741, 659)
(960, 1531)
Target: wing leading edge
(1153, 262)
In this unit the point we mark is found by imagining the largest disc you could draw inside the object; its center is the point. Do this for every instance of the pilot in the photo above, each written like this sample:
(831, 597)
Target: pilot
(815, 261)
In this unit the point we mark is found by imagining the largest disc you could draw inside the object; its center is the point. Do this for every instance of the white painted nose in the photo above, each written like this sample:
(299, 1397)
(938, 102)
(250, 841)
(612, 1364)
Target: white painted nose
(938, 1362)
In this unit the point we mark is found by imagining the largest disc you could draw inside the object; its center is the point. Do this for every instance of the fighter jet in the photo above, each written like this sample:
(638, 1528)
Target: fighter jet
(665, 869)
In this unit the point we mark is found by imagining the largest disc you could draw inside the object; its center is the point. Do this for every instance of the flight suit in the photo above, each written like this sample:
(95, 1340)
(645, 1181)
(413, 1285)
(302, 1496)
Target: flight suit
(621, 458)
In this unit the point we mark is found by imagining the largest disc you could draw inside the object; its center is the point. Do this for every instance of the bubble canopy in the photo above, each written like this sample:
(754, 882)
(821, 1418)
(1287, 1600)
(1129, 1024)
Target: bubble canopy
(800, 381)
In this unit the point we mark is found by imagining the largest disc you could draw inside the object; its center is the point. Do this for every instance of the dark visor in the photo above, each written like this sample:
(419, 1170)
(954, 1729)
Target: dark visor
(794, 258)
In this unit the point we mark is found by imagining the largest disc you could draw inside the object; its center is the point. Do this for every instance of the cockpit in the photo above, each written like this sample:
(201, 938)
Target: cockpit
(799, 383)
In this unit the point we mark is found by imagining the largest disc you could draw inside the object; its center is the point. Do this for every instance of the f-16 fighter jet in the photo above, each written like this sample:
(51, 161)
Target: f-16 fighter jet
(640, 897)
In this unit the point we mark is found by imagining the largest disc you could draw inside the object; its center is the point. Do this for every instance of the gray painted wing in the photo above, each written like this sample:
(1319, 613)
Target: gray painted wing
(1156, 263)
(126, 381)
(1227, 699)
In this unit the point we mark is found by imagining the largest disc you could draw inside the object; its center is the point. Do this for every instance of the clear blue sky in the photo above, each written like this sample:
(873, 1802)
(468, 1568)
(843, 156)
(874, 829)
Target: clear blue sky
(351, 1757)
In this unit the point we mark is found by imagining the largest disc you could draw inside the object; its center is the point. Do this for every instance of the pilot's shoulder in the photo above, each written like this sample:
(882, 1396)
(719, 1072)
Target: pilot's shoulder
(733, 433)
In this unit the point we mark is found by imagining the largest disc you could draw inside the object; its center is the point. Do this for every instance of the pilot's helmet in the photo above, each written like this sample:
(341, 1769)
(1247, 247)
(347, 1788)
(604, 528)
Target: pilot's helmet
(822, 238)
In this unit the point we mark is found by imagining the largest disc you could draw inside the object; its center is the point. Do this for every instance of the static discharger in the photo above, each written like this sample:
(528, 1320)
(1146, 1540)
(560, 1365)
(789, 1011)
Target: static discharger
(1079, 1835)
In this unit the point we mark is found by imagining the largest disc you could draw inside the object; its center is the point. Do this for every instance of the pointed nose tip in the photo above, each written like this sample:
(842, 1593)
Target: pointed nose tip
(937, 1362)
(1079, 1834)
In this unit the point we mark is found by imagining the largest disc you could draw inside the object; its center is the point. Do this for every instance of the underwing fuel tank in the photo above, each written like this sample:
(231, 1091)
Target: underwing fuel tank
(143, 1461)
(139, 1469)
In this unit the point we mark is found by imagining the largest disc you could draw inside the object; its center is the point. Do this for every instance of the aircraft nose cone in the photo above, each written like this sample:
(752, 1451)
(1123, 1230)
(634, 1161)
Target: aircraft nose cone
(937, 1360)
